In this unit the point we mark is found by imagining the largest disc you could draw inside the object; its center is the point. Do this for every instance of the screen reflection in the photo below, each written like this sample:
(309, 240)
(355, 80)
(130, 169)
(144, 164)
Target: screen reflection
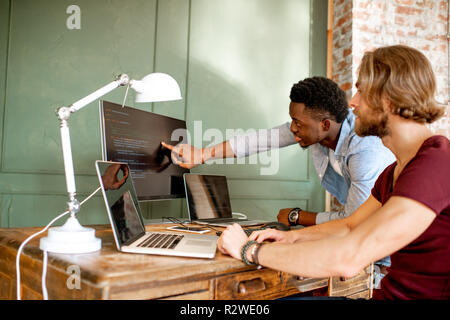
(122, 201)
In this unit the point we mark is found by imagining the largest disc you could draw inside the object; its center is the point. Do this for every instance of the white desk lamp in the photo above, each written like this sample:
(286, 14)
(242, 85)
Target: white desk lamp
(72, 237)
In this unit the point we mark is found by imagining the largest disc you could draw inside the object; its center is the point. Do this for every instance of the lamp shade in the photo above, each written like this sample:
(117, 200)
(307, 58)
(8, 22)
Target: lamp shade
(156, 87)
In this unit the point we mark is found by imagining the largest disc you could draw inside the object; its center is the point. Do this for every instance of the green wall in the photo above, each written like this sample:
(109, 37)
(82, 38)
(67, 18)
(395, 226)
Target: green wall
(235, 61)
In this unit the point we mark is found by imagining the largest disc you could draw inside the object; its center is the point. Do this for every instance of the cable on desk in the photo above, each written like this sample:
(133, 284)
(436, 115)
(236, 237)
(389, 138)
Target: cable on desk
(181, 223)
(175, 220)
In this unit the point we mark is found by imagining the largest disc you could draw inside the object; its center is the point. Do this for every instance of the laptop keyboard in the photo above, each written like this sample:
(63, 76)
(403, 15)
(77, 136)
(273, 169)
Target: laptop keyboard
(161, 240)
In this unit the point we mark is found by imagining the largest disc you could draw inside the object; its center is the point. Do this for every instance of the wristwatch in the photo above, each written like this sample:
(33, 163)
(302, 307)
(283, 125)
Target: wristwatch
(293, 216)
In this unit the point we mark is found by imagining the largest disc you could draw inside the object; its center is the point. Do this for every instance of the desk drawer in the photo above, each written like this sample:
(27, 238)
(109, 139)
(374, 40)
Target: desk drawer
(303, 284)
(257, 284)
(349, 286)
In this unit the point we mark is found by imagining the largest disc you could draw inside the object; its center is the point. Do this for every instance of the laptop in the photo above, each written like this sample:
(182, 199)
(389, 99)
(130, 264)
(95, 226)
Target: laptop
(127, 222)
(208, 201)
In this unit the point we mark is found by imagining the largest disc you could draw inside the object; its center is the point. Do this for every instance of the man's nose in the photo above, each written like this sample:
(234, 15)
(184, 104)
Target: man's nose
(354, 101)
(293, 127)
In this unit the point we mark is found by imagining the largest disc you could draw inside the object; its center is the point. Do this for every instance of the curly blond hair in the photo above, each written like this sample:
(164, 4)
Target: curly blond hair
(404, 76)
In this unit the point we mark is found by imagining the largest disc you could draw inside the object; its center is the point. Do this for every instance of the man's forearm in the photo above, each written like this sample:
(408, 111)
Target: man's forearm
(219, 151)
(322, 258)
(336, 228)
(322, 217)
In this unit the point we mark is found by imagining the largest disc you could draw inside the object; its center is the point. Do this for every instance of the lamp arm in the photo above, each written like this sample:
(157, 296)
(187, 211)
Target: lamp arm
(63, 114)
(122, 80)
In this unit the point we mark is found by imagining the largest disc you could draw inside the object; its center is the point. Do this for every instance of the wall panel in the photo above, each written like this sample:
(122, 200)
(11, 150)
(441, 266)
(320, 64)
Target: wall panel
(50, 66)
(4, 45)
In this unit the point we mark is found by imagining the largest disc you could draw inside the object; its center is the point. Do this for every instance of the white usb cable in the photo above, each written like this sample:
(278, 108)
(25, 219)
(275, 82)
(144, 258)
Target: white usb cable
(44, 268)
(240, 215)
(44, 274)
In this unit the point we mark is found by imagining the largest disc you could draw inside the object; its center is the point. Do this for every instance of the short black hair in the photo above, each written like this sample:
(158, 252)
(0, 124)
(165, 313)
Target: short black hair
(322, 97)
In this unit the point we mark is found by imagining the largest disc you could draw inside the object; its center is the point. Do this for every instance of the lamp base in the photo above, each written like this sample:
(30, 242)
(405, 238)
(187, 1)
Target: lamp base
(71, 238)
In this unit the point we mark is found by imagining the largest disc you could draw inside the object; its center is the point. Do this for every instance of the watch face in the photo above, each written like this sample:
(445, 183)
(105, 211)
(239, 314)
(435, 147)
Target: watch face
(293, 215)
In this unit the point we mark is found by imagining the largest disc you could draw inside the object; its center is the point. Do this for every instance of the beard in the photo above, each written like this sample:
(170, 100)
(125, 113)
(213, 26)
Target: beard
(376, 125)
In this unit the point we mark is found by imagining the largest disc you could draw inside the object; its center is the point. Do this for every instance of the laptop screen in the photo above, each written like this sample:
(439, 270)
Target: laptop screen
(121, 201)
(207, 196)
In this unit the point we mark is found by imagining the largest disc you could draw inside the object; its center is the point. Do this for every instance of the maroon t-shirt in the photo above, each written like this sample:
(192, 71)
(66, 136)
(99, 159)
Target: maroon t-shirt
(421, 270)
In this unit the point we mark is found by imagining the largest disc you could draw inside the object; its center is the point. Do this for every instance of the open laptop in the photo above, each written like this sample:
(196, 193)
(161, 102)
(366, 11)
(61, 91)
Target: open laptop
(127, 223)
(208, 201)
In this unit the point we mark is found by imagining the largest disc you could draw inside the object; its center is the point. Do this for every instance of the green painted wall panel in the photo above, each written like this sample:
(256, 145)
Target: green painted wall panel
(244, 58)
(235, 62)
(318, 38)
(50, 66)
(5, 206)
(264, 209)
(245, 75)
(171, 54)
(28, 183)
(34, 210)
(4, 40)
(171, 57)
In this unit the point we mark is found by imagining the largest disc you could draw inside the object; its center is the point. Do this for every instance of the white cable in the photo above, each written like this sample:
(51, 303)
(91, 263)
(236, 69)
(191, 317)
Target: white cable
(44, 274)
(90, 196)
(36, 234)
(240, 215)
(23, 245)
(125, 98)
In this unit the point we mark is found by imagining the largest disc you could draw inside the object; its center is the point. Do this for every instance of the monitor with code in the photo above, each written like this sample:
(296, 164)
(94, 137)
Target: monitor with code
(134, 136)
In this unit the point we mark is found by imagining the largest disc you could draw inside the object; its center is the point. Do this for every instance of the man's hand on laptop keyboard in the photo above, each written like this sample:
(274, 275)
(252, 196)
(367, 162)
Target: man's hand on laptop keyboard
(272, 235)
(232, 240)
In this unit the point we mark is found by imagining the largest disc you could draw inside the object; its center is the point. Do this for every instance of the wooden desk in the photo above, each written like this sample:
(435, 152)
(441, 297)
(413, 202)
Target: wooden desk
(109, 274)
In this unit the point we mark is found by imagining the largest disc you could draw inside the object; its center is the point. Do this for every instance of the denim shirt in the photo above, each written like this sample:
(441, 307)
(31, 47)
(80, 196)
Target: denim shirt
(361, 160)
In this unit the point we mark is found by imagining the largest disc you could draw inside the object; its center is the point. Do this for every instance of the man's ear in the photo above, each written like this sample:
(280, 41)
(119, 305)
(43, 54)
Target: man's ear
(326, 124)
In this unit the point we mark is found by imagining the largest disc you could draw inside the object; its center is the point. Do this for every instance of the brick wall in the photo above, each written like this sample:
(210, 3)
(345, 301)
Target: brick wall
(342, 64)
(361, 25)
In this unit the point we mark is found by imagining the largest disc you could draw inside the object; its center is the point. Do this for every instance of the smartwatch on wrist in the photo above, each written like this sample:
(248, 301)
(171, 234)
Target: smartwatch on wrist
(293, 216)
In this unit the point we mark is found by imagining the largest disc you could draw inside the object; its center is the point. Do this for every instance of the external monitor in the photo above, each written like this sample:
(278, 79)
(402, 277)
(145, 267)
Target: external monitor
(134, 136)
